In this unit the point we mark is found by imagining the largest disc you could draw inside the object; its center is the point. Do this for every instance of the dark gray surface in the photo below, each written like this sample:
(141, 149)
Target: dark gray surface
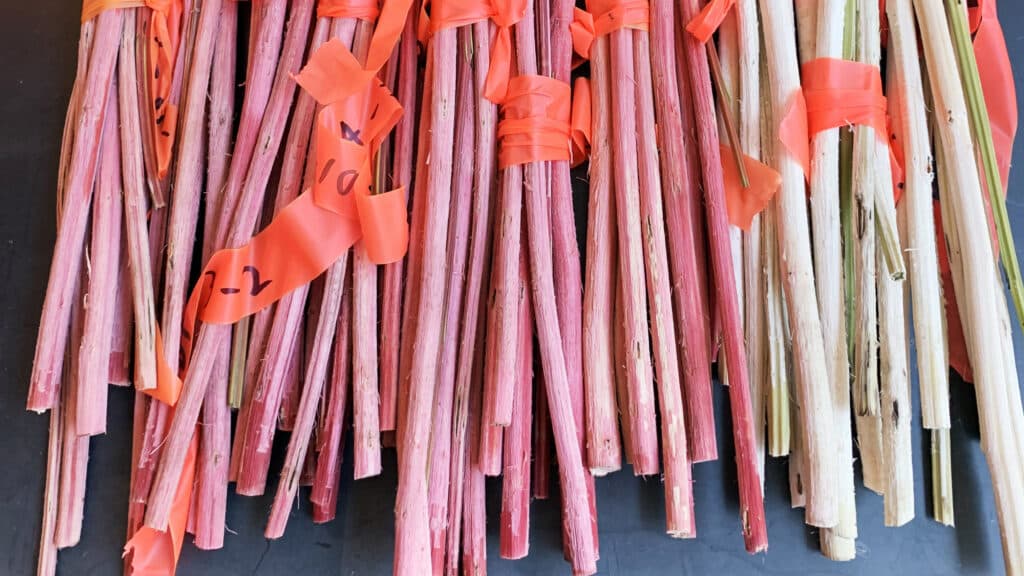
(37, 58)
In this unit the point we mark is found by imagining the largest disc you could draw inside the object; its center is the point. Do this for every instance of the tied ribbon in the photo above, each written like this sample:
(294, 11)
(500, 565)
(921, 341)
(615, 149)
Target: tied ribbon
(603, 18)
(504, 13)
(835, 93)
(580, 122)
(704, 24)
(155, 553)
(535, 121)
(742, 204)
(1000, 93)
(361, 9)
(164, 38)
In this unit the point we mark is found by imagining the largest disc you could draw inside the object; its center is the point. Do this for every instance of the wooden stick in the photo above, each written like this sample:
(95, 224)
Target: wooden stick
(473, 320)
(971, 253)
(576, 515)
(679, 518)
(74, 451)
(676, 171)
(118, 371)
(439, 476)
(316, 374)
(394, 274)
(102, 262)
(67, 254)
(412, 535)
(641, 418)
(330, 444)
(810, 368)
(515, 484)
(188, 182)
(838, 543)
(474, 514)
(209, 340)
(47, 562)
(604, 451)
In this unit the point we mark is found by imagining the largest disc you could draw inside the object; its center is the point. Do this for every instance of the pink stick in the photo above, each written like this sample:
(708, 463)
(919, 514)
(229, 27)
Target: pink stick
(691, 203)
(47, 563)
(414, 258)
(316, 374)
(542, 442)
(328, 466)
(751, 506)
(104, 258)
(515, 485)
(221, 116)
(137, 233)
(604, 450)
(684, 265)
(211, 492)
(641, 419)
(458, 248)
(291, 388)
(75, 449)
(576, 516)
(401, 174)
(474, 513)
(118, 373)
(188, 182)
(67, 254)
(209, 341)
(473, 321)
(268, 387)
(254, 360)
(678, 490)
(412, 534)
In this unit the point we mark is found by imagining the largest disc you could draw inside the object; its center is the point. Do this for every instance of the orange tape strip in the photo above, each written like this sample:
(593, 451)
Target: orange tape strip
(843, 93)
(742, 204)
(535, 121)
(362, 9)
(165, 35)
(793, 131)
(709, 19)
(611, 15)
(155, 553)
(580, 122)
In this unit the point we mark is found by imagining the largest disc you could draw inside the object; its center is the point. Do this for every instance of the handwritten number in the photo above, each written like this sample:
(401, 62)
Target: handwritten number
(346, 181)
(325, 171)
(348, 133)
(257, 286)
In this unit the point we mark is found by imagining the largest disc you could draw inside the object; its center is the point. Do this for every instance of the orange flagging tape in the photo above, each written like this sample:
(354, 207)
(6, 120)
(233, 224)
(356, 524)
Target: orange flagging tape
(165, 37)
(361, 9)
(742, 204)
(580, 122)
(155, 552)
(611, 15)
(535, 121)
(709, 19)
(793, 131)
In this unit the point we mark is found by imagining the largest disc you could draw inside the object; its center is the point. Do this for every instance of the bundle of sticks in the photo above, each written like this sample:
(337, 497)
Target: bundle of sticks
(758, 199)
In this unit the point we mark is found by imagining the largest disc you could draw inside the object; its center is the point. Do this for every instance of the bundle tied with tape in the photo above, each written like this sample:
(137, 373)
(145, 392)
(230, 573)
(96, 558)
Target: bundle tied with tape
(164, 35)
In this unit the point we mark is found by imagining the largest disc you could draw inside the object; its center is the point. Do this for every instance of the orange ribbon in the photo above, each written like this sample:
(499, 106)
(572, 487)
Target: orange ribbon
(582, 30)
(361, 9)
(742, 204)
(611, 15)
(535, 121)
(580, 122)
(793, 131)
(165, 37)
(709, 19)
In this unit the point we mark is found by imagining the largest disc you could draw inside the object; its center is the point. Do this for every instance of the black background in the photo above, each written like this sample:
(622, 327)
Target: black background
(38, 47)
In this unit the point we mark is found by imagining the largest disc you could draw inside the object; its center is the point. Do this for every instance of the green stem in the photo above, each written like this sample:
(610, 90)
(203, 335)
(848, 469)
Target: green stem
(982, 132)
(846, 202)
(239, 349)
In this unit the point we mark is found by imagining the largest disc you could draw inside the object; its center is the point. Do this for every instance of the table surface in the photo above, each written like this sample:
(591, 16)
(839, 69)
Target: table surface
(38, 47)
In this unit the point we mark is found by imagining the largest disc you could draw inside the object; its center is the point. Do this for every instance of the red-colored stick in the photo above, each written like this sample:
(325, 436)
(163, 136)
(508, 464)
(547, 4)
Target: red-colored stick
(474, 513)
(640, 390)
(684, 266)
(576, 515)
(104, 258)
(118, 372)
(394, 274)
(67, 253)
(458, 252)
(209, 340)
(412, 534)
(679, 519)
(316, 375)
(211, 492)
(75, 449)
(473, 320)
(515, 484)
(331, 446)
(751, 506)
